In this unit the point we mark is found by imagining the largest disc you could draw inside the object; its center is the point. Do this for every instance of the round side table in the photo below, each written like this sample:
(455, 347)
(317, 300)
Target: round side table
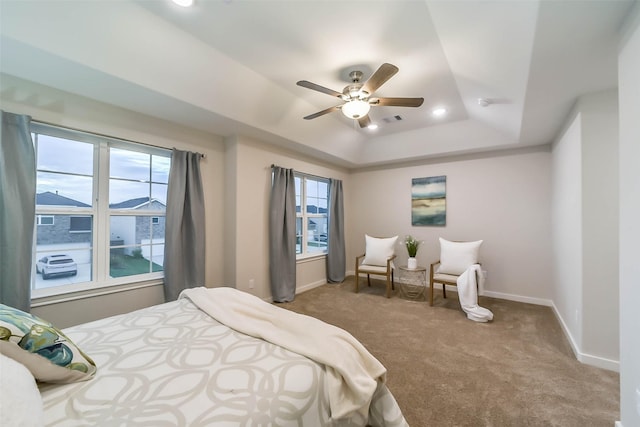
(413, 282)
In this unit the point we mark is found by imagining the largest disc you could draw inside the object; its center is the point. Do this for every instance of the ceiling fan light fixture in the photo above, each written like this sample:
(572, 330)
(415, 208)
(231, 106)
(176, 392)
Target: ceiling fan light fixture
(356, 109)
(439, 112)
(183, 3)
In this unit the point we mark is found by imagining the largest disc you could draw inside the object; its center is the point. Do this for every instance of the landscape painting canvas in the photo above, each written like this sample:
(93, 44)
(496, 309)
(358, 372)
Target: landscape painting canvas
(428, 201)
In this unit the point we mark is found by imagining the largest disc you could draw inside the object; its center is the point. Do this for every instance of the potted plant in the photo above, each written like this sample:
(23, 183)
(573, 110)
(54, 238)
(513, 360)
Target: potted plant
(412, 248)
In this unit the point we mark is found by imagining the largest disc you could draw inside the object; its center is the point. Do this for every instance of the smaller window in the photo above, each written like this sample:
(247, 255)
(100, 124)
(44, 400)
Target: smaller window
(80, 224)
(45, 219)
(155, 220)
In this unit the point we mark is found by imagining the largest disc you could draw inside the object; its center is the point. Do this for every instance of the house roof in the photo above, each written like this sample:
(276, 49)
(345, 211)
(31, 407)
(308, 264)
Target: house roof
(133, 203)
(52, 199)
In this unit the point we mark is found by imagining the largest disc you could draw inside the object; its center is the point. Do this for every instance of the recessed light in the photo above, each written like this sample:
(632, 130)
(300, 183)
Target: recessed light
(439, 112)
(183, 3)
(372, 126)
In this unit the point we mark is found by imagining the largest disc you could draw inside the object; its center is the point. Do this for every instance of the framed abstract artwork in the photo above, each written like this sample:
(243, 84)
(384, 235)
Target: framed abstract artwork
(429, 201)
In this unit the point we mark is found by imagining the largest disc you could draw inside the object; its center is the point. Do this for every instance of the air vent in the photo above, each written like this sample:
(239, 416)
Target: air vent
(392, 119)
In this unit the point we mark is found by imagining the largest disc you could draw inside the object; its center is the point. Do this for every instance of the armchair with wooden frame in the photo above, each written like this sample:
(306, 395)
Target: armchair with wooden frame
(378, 260)
(455, 259)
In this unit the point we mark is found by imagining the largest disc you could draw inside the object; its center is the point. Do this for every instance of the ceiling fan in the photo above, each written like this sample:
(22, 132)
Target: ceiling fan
(357, 95)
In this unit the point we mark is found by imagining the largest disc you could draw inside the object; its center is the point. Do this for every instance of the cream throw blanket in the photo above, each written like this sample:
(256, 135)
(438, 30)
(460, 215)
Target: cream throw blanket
(468, 295)
(352, 372)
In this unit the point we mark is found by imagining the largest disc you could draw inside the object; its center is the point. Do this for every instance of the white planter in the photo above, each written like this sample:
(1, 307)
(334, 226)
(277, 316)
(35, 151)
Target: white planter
(412, 263)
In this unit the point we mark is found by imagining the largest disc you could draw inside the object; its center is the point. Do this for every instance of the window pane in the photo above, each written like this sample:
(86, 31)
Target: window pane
(128, 195)
(316, 234)
(62, 256)
(298, 235)
(80, 224)
(137, 245)
(77, 158)
(56, 189)
(129, 164)
(159, 193)
(160, 169)
(298, 184)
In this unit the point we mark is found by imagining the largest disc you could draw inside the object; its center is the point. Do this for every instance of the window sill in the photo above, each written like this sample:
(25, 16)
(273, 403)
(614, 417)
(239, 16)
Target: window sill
(73, 295)
(309, 258)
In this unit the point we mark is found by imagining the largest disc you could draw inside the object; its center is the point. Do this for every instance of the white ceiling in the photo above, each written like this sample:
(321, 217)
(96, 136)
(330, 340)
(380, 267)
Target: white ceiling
(231, 66)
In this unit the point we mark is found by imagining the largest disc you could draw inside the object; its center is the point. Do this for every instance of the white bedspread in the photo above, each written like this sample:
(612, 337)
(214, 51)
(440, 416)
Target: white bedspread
(468, 295)
(352, 372)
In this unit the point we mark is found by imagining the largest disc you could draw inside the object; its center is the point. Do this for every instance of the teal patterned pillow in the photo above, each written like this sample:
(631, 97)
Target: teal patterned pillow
(42, 348)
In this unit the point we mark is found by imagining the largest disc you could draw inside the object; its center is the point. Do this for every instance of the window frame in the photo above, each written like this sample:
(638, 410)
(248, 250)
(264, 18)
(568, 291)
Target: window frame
(304, 216)
(99, 211)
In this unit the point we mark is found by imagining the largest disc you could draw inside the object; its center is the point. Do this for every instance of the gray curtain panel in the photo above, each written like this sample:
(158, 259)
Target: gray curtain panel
(17, 210)
(282, 235)
(184, 248)
(336, 257)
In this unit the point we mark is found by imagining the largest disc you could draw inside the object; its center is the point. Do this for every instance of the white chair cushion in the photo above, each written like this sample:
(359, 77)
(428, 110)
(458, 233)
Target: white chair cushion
(457, 257)
(439, 278)
(378, 250)
(373, 269)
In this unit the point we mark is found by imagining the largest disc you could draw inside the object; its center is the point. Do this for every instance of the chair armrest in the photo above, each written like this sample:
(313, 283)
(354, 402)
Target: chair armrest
(432, 269)
(391, 258)
(360, 256)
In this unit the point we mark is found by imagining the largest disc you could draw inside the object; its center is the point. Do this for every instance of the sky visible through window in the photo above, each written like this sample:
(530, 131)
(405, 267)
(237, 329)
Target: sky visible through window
(65, 167)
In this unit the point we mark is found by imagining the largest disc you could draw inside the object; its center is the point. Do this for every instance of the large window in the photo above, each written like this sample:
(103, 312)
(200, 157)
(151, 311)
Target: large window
(100, 211)
(312, 195)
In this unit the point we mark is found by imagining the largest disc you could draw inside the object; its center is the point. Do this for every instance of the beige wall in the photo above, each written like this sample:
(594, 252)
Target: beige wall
(249, 169)
(585, 223)
(567, 230)
(600, 213)
(501, 198)
(629, 89)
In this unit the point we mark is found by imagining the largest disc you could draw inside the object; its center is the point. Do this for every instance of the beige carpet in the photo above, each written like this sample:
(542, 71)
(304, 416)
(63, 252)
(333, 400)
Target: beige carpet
(445, 370)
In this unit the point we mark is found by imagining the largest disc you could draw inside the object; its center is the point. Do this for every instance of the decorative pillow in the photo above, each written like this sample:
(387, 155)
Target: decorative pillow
(457, 257)
(379, 250)
(42, 348)
(20, 400)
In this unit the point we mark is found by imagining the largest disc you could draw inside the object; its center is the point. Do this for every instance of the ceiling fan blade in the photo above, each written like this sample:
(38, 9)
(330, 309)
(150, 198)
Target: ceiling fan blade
(364, 121)
(377, 79)
(313, 86)
(323, 112)
(397, 102)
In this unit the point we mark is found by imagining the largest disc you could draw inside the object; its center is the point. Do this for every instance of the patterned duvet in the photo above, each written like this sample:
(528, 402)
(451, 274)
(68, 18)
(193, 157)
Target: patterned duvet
(173, 365)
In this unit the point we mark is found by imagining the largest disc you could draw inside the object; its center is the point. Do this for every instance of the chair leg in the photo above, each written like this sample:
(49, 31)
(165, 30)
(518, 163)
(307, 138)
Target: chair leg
(393, 286)
(369, 280)
(444, 290)
(388, 288)
(431, 294)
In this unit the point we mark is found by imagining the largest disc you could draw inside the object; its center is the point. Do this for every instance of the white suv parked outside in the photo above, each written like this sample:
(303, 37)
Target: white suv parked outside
(53, 265)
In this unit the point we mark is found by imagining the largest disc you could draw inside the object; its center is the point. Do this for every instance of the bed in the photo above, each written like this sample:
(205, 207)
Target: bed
(218, 357)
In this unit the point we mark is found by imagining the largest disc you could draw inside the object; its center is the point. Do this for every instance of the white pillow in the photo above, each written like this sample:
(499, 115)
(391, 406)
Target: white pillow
(379, 250)
(20, 400)
(457, 257)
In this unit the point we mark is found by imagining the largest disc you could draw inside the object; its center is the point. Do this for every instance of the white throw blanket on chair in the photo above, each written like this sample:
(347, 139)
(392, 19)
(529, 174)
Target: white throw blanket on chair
(468, 295)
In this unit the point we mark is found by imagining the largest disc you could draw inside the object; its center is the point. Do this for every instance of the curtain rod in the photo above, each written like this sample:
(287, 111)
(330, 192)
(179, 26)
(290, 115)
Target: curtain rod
(304, 173)
(42, 122)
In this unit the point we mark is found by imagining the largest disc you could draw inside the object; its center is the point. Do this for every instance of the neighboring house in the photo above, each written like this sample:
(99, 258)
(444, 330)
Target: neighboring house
(126, 230)
(60, 229)
(131, 230)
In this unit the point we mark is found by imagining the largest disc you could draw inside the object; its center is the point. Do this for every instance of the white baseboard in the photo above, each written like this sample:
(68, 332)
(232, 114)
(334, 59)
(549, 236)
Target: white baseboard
(587, 359)
(310, 286)
(518, 298)
(618, 424)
